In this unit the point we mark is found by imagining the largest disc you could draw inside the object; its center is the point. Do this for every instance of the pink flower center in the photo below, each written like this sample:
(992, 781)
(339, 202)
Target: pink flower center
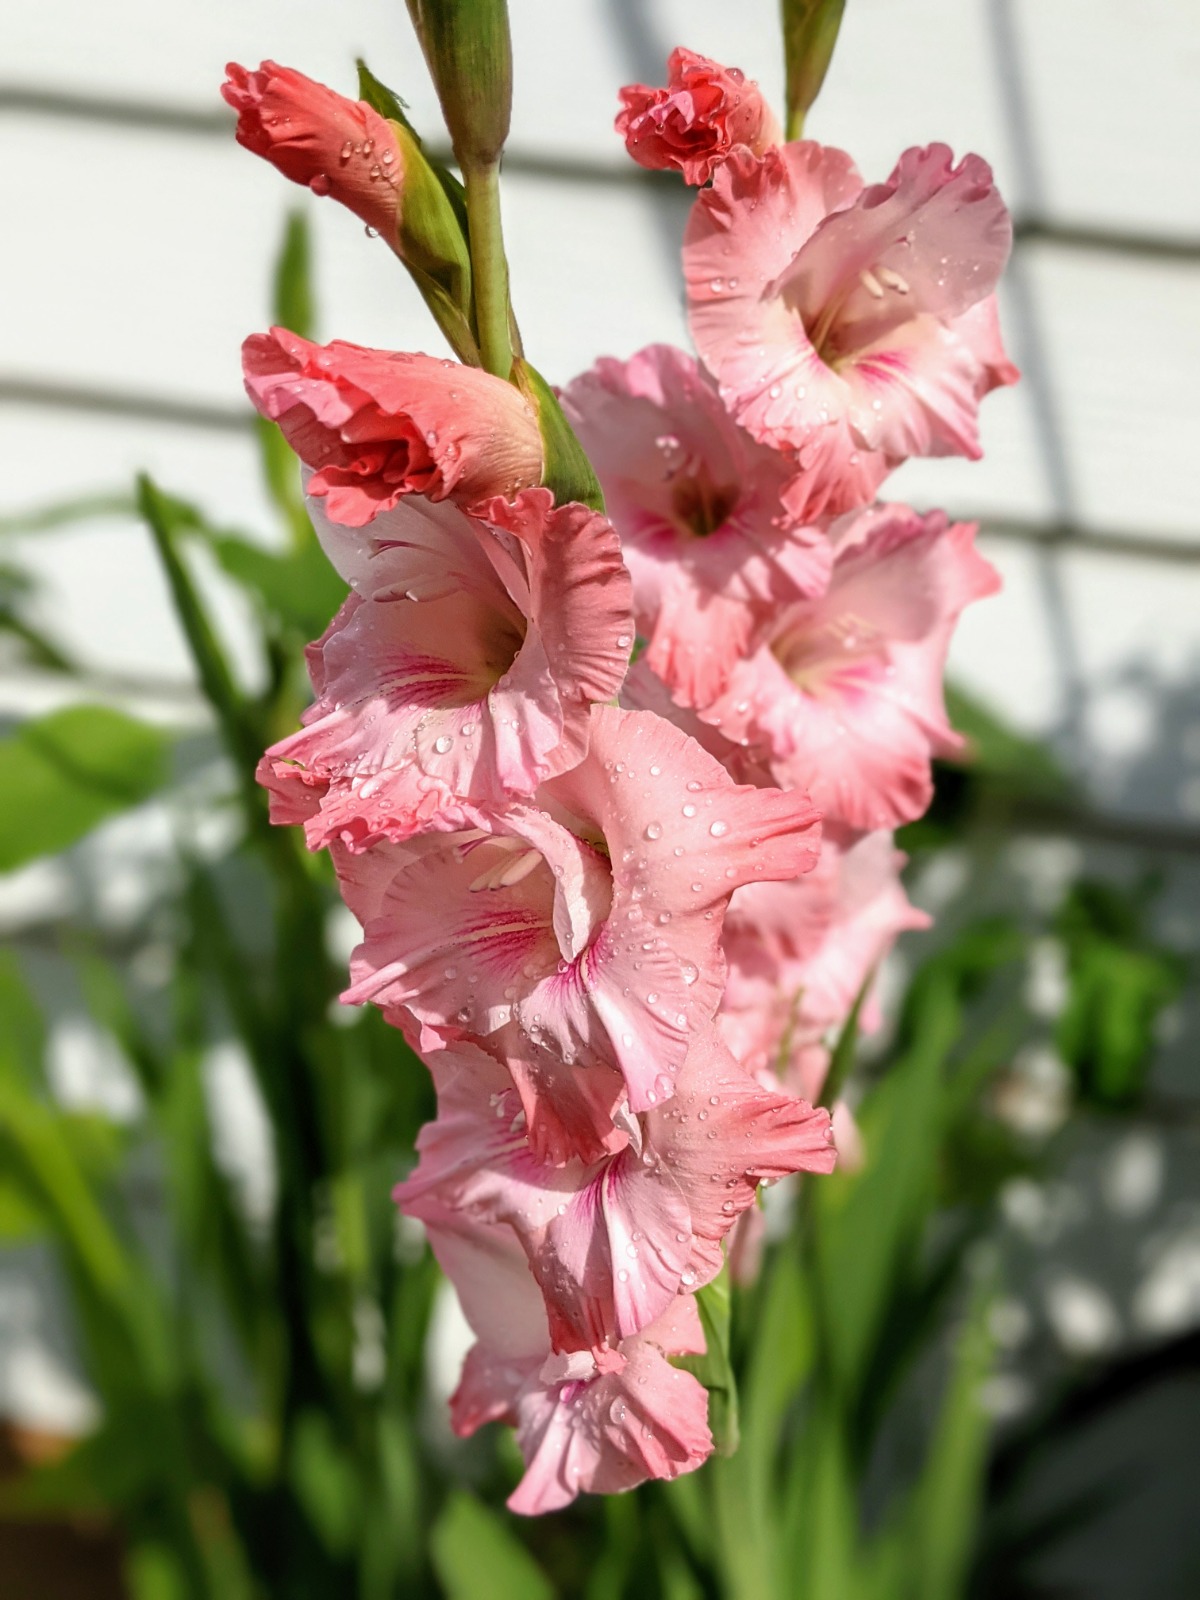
(833, 654)
(699, 506)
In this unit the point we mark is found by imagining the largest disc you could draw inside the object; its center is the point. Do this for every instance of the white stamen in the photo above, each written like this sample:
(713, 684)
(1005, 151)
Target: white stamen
(871, 283)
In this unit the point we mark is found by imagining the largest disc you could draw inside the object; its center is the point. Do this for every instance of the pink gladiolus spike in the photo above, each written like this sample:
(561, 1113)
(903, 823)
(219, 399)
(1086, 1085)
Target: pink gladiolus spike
(701, 508)
(317, 137)
(377, 425)
(691, 126)
(840, 321)
(611, 1243)
(462, 668)
(845, 692)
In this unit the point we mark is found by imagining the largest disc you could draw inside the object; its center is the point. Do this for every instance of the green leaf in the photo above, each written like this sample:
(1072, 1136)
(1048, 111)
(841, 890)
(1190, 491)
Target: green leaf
(293, 305)
(865, 1222)
(21, 1217)
(714, 1369)
(65, 773)
(950, 1492)
(382, 99)
(478, 1556)
(997, 751)
(37, 1151)
(567, 472)
(63, 513)
(1120, 981)
(325, 1481)
(432, 224)
(168, 520)
(823, 1515)
(298, 588)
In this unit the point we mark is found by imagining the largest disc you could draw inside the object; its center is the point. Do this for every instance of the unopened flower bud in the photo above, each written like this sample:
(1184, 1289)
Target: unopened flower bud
(469, 52)
(692, 124)
(317, 137)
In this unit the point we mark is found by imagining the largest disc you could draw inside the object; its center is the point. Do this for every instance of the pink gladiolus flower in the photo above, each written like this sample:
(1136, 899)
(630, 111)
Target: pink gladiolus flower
(612, 1242)
(799, 953)
(700, 507)
(844, 694)
(853, 326)
(594, 1421)
(592, 924)
(462, 667)
(705, 111)
(377, 425)
(317, 137)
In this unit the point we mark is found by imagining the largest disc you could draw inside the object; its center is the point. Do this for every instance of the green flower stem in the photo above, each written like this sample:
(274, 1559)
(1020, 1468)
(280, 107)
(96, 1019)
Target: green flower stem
(489, 269)
(810, 30)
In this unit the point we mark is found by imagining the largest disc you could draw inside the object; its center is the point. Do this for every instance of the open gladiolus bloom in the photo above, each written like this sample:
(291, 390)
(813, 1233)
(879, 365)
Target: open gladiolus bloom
(612, 731)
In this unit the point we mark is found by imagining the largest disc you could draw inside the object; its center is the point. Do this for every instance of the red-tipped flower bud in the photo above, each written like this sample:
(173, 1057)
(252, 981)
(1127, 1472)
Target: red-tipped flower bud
(319, 138)
(705, 111)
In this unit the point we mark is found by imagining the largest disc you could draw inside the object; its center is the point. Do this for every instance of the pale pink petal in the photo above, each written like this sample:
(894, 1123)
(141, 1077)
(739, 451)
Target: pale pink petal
(647, 1420)
(463, 667)
(940, 230)
(643, 690)
(845, 693)
(681, 836)
(836, 335)
(702, 513)
(721, 1135)
(799, 953)
(377, 425)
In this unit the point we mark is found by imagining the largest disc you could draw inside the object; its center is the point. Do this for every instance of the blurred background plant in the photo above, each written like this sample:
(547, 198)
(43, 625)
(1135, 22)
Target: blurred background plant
(262, 1339)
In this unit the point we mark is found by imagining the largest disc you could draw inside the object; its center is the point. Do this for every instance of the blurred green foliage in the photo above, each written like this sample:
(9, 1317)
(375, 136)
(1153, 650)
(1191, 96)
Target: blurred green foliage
(266, 1429)
(1121, 982)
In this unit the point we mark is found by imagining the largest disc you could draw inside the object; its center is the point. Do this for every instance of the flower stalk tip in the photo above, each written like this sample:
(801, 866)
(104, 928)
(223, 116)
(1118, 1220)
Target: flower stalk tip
(810, 30)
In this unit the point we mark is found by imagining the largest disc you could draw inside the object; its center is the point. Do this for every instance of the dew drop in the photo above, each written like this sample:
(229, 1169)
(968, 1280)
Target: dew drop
(718, 829)
(653, 830)
(689, 810)
(442, 745)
